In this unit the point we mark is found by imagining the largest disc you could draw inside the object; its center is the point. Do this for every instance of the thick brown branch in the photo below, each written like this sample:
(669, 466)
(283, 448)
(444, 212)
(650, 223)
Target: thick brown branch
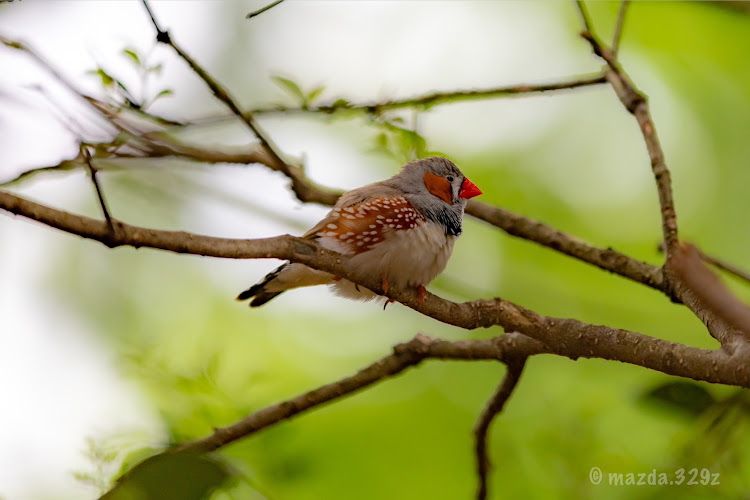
(565, 337)
(603, 258)
(636, 104)
(708, 289)
(494, 406)
(404, 356)
(155, 145)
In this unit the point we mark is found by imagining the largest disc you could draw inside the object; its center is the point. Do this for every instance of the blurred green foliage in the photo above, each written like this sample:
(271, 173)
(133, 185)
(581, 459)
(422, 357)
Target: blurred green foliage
(205, 361)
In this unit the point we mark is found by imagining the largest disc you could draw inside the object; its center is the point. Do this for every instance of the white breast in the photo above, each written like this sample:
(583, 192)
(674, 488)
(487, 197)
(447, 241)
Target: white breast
(406, 259)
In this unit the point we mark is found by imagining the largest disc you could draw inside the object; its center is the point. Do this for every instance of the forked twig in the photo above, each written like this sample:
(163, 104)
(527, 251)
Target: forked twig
(494, 406)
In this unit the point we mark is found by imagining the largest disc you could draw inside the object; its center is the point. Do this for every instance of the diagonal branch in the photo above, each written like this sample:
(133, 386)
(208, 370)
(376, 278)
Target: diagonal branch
(635, 103)
(263, 9)
(565, 337)
(308, 191)
(404, 355)
(725, 266)
(707, 287)
(619, 26)
(493, 408)
(603, 258)
(100, 195)
(219, 92)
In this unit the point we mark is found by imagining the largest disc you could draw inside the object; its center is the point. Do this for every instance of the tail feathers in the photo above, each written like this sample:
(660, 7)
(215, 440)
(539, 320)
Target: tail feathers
(258, 290)
(281, 279)
(262, 298)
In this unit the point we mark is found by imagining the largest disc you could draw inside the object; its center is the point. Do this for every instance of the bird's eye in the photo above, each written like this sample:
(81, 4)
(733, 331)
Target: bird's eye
(449, 178)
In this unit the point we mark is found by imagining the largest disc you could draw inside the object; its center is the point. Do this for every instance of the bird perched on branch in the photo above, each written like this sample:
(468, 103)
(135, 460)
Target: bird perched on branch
(401, 230)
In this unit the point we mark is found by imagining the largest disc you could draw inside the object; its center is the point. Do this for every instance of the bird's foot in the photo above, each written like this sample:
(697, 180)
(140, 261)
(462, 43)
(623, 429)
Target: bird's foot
(421, 289)
(385, 292)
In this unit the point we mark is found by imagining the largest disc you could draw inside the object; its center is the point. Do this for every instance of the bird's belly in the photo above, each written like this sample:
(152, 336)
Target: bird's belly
(406, 259)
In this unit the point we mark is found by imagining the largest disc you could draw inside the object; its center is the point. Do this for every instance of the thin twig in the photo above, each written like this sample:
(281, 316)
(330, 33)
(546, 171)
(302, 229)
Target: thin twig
(438, 98)
(618, 27)
(494, 406)
(427, 100)
(97, 187)
(717, 263)
(46, 65)
(585, 19)
(41, 61)
(636, 104)
(725, 266)
(28, 174)
(263, 9)
(220, 93)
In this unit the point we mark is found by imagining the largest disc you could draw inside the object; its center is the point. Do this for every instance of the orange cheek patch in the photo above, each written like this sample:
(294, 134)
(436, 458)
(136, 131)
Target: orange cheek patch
(439, 187)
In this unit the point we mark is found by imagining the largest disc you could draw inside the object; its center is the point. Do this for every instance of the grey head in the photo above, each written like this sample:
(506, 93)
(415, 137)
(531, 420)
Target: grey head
(437, 189)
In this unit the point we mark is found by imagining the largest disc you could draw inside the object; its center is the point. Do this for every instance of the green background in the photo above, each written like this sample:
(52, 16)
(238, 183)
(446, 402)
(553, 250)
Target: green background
(204, 361)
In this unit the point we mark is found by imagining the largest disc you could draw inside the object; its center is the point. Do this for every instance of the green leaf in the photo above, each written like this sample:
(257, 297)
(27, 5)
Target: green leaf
(685, 397)
(132, 55)
(381, 140)
(341, 103)
(291, 87)
(122, 86)
(411, 141)
(184, 476)
(314, 94)
(106, 78)
(163, 93)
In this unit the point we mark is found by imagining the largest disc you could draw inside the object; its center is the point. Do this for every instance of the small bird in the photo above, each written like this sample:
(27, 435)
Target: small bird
(401, 230)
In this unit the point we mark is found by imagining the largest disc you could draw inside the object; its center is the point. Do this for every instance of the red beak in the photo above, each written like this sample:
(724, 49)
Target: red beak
(468, 189)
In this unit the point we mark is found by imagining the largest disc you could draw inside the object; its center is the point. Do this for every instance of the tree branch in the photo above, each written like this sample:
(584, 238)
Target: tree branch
(156, 145)
(439, 98)
(221, 94)
(635, 103)
(603, 258)
(565, 337)
(493, 408)
(725, 266)
(404, 355)
(618, 27)
(707, 287)
(97, 187)
(263, 9)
